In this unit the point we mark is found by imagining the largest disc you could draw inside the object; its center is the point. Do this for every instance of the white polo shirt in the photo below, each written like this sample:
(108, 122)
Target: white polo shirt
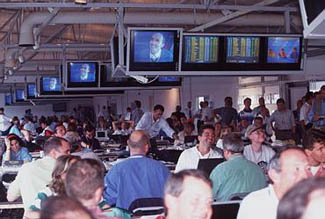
(259, 204)
(189, 158)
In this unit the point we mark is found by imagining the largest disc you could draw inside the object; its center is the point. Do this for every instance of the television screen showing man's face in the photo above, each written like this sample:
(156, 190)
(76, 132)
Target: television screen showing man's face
(53, 83)
(156, 43)
(84, 71)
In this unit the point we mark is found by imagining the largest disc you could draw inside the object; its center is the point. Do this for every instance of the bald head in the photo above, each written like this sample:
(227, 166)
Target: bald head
(139, 142)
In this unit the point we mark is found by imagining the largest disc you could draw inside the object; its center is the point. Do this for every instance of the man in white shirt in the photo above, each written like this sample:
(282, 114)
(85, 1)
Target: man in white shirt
(152, 123)
(4, 121)
(189, 158)
(257, 152)
(304, 111)
(36, 175)
(314, 144)
(286, 169)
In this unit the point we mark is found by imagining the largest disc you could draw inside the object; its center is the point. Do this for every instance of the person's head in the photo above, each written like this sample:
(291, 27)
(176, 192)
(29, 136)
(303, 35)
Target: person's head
(206, 136)
(188, 128)
(280, 103)
(15, 120)
(247, 102)
(232, 144)
(84, 71)
(62, 165)
(60, 130)
(14, 141)
(304, 201)
(188, 194)
(183, 120)
(299, 103)
(137, 103)
(90, 131)
(72, 127)
(63, 207)
(309, 97)
(53, 82)
(124, 125)
(265, 112)
(255, 134)
(189, 104)
(158, 110)
(261, 101)
(139, 142)
(288, 167)
(84, 181)
(217, 129)
(2, 110)
(56, 147)
(258, 121)
(178, 108)
(322, 92)
(314, 144)
(225, 130)
(157, 42)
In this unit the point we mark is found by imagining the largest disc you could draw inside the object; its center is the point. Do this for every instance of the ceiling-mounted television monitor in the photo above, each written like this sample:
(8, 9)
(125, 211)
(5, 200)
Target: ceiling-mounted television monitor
(153, 49)
(20, 95)
(283, 50)
(201, 52)
(8, 99)
(31, 90)
(82, 74)
(168, 79)
(243, 49)
(50, 85)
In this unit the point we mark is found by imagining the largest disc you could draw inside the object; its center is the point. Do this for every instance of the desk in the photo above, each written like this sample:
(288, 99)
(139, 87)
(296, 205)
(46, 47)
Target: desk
(11, 205)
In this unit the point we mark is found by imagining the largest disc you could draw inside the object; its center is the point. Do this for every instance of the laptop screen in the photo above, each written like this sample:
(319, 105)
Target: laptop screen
(225, 210)
(207, 165)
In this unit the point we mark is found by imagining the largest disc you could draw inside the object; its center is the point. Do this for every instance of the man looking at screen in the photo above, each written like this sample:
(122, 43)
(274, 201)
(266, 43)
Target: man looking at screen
(157, 51)
(53, 83)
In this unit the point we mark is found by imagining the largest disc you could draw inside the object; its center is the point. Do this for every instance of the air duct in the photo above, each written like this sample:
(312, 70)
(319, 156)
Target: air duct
(147, 18)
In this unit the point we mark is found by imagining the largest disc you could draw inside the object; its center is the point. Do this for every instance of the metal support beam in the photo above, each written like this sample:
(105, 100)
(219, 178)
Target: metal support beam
(287, 21)
(145, 6)
(231, 16)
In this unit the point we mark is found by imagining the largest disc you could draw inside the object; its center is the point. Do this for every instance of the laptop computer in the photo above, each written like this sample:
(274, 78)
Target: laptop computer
(101, 135)
(207, 165)
(225, 210)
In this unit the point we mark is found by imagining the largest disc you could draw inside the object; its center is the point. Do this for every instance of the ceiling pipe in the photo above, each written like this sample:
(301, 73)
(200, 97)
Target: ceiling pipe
(153, 18)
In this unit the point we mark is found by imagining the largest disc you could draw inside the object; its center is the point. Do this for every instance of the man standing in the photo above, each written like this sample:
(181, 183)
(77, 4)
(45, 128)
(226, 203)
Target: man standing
(237, 174)
(152, 123)
(287, 168)
(228, 113)
(136, 177)
(189, 158)
(304, 112)
(314, 144)
(178, 112)
(188, 194)
(247, 113)
(261, 104)
(137, 113)
(284, 122)
(188, 110)
(317, 112)
(34, 176)
(4, 123)
(257, 152)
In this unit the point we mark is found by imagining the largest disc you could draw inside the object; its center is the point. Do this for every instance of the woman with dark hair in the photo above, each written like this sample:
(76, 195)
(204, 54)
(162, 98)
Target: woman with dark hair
(14, 150)
(56, 187)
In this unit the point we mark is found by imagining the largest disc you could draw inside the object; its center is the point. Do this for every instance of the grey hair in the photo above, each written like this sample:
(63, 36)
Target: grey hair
(232, 142)
(174, 184)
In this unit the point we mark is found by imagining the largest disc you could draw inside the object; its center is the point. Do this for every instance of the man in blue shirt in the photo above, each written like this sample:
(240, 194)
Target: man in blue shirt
(317, 112)
(137, 177)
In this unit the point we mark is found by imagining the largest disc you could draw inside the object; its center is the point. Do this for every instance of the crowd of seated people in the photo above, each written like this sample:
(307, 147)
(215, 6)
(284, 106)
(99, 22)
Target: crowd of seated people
(242, 140)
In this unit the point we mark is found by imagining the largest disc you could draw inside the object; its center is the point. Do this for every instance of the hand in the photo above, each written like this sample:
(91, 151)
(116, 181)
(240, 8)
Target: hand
(7, 142)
